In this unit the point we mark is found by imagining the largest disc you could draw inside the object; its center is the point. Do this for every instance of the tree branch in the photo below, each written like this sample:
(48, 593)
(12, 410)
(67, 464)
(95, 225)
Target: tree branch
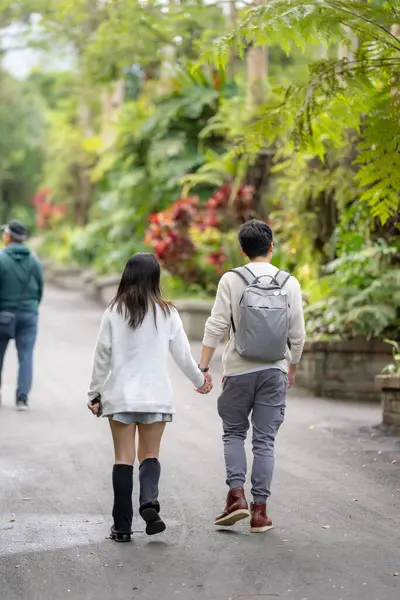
(369, 21)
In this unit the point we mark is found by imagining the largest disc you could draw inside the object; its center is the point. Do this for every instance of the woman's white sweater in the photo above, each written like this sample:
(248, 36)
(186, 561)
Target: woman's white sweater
(130, 367)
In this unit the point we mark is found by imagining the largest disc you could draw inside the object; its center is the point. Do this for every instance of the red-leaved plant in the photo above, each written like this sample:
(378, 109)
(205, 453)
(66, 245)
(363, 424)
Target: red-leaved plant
(169, 232)
(46, 211)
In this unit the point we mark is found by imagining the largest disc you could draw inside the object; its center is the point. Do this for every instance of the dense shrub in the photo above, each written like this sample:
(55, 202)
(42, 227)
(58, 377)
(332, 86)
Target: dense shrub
(363, 296)
(197, 241)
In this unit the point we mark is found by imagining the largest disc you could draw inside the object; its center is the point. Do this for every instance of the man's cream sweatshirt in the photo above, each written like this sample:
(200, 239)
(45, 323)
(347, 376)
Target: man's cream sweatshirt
(218, 326)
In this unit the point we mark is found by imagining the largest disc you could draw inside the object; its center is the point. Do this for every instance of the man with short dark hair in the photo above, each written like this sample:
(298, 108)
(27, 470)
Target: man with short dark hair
(250, 386)
(21, 289)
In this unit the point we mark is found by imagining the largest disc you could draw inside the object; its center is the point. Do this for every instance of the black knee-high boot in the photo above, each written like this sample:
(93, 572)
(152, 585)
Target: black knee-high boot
(122, 510)
(149, 477)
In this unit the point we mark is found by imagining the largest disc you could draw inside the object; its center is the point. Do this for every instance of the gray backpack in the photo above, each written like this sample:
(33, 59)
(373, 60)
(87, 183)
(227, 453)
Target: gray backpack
(262, 331)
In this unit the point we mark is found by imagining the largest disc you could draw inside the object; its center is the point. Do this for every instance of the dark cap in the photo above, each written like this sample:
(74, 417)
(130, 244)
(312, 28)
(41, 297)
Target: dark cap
(16, 229)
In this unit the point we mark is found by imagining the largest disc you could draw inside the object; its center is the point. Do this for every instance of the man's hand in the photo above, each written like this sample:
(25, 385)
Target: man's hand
(208, 385)
(291, 375)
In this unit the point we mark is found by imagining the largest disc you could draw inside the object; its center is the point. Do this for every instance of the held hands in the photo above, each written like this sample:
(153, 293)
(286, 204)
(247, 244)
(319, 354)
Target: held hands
(208, 385)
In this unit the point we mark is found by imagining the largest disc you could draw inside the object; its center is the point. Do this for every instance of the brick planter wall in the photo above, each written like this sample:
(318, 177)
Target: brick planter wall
(343, 370)
(389, 386)
(67, 278)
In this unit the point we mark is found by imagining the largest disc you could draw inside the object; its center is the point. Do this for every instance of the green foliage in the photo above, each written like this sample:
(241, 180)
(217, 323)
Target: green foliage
(322, 152)
(358, 93)
(157, 144)
(109, 37)
(363, 297)
(175, 288)
(21, 145)
(394, 368)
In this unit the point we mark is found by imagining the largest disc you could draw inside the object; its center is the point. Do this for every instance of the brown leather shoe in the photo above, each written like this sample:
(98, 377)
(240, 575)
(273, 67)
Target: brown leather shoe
(260, 521)
(236, 509)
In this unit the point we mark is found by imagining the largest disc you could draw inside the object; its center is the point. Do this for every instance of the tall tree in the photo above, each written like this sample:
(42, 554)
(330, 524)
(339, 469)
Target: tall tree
(21, 138)
(341, 94)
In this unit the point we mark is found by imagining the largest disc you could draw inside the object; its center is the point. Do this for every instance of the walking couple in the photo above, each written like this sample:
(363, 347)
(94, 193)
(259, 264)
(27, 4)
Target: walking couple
(261, 308)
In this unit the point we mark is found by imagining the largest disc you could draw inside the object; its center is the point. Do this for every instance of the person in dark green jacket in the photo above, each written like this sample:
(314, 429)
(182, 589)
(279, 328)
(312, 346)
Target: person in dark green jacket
(21, 290)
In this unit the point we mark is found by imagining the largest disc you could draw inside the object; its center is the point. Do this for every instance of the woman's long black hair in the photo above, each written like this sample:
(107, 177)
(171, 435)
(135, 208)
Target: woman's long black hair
(139, 290)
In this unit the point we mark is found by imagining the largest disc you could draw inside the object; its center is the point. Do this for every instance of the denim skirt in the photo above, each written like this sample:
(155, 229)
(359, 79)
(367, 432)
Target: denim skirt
(145, 418)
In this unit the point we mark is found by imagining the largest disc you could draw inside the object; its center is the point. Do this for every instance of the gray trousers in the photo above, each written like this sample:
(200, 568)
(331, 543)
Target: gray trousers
(263, 396)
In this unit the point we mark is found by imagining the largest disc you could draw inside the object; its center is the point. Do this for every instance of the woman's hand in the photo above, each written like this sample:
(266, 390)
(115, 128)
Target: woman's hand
(94, 408)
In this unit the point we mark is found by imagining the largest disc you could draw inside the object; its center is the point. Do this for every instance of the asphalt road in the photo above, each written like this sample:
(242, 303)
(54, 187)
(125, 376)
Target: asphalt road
(336, 503)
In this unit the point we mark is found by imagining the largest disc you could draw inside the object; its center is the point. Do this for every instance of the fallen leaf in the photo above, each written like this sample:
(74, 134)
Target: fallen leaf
(326, 526)
(13, 520)
(312, 427)
(97, 523)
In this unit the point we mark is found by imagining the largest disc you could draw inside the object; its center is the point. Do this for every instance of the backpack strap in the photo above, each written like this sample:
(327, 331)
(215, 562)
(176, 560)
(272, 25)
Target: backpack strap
(282, 277)
(243, 273)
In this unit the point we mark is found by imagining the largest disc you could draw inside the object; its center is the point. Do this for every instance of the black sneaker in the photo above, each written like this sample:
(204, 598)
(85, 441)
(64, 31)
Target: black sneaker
(117, 536)
(150, 513)
(22, 403)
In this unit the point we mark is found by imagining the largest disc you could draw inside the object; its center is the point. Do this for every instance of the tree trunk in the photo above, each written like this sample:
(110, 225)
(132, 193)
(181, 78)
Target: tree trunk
(232, 20)
(346, 51)
(257, 71)
(258, 177)
(112, 102)
(82, 194)
(167, 65)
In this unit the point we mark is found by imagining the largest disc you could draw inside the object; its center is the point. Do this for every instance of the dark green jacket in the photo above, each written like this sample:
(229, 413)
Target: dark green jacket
(16, 293)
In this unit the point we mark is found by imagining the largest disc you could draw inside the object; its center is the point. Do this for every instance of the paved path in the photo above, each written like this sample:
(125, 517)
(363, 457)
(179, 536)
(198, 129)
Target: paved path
(335, 505)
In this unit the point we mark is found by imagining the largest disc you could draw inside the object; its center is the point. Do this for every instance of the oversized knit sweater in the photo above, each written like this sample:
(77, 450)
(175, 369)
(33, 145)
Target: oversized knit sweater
(130, 367)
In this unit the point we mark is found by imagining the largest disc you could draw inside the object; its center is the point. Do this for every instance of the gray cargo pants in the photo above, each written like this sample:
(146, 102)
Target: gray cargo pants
(263, 394)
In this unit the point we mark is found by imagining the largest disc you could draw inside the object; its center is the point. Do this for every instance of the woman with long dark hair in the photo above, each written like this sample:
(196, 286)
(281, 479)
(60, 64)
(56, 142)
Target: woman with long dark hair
(130, 385)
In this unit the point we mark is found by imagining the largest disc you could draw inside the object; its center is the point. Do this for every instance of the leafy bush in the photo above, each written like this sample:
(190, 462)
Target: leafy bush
(394, 367)
(195, 241)
(363, 298)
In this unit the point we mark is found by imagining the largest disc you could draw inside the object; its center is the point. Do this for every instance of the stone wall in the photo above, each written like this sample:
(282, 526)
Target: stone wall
(68, 278)
(343, 370)
(194, 313)
(107, 288)
(389, 386)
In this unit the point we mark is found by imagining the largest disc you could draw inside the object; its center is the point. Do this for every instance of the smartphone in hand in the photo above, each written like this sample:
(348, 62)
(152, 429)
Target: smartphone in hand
(97, 400)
